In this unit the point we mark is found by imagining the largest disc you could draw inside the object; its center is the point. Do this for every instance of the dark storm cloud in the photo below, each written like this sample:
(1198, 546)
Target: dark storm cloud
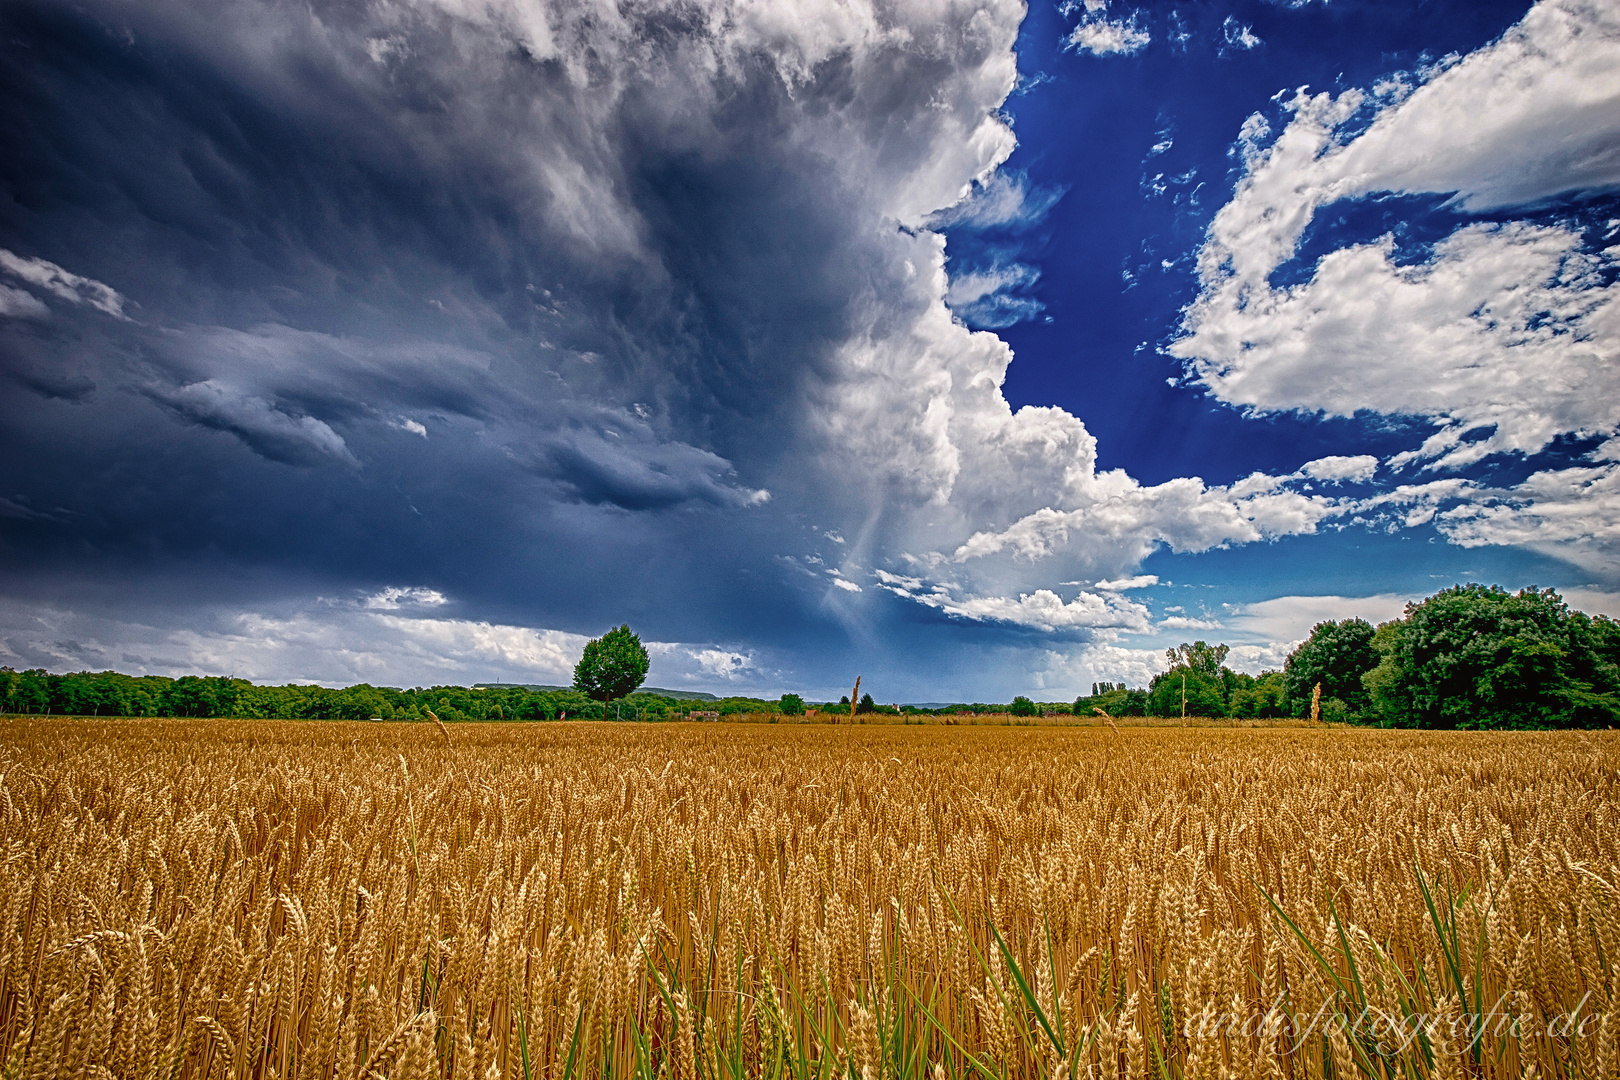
(572, 314)
(427, 296)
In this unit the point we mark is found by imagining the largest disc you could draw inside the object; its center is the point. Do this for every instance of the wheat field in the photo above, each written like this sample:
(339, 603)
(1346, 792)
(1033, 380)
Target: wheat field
(710, 902)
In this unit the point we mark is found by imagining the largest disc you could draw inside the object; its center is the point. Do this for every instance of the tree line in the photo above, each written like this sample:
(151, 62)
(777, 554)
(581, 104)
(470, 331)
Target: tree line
(1472, 656)
(109, 693)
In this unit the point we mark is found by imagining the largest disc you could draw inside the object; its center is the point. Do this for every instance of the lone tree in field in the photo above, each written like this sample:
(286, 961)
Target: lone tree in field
(613, 666)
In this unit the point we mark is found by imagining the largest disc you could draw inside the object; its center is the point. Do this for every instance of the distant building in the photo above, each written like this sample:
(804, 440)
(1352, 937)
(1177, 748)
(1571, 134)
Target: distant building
(703, 716)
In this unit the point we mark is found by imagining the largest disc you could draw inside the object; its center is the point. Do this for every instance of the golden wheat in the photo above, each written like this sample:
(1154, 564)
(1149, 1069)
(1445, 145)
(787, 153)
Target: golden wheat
(698, 902)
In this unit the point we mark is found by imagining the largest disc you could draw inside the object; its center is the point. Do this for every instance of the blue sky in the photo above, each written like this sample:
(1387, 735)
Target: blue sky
(972, 348)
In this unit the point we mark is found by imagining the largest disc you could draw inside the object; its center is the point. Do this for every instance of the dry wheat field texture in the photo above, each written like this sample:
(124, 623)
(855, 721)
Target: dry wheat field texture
(712, 902)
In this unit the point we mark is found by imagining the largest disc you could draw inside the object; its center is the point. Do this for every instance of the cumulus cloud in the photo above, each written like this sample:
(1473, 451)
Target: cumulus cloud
(1184, 514)
(1503, 334)
(1340, 468)
(1573, 513)
(1103, 662)
(1042, 609)
(1502, 326)
(665, 282)
(724, 664)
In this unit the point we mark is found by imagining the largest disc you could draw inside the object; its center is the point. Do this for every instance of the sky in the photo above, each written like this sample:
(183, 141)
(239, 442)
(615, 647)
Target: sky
(974, 348)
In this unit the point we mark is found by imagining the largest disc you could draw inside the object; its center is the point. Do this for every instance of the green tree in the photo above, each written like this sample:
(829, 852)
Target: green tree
(1200, 656)
(1022, 706)
(613, 666)
(791, 705)
(1477, 656)
(1262, 697)
(1205, 692)
(1197, 670)
(867, 704)
(1337, 655)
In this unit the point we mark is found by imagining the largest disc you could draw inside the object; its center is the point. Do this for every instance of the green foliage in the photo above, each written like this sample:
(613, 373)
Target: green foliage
(108, 693)
(1262, 697)
(1200, 656)
(867, 704)
(1022, 706)
(1205, 691)
(1477, 656)
(1337, 655)
(1197, 675)
(613, 665)
(791, 705)
(1115, 699)
(732, 706)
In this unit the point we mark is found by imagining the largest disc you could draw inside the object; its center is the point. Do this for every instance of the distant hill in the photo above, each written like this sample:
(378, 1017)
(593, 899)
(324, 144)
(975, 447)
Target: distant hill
(678, 695)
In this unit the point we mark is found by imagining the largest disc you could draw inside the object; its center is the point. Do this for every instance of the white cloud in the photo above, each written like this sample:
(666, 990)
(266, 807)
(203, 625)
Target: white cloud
(372, 639)
(1337, 468)
(1504, 327)
(1183, 513)
(1237, 35)
(1109, 37)
(1103, 662)
(1253, 659)
(977, 284)
(1140, 581)
(1004, 198)
(69, 286)
(984, 297)
(331, 644)
(1185, 622)
(21, 304)
(1573, 513)
(394, 597)
(724, 664)
(1593, 601)
(846, 584)
(1268, 630)
(461, 645)
(1287, 620)
(1506, 335)
(1041, 609)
